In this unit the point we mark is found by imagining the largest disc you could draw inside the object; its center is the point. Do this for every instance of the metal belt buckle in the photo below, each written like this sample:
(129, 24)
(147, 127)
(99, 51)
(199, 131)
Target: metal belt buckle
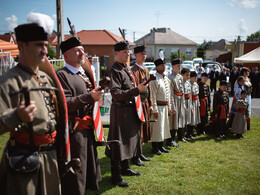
(40, 147)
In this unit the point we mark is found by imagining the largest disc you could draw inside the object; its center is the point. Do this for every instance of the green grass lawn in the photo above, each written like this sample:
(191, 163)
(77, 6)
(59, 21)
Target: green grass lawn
(204, 166)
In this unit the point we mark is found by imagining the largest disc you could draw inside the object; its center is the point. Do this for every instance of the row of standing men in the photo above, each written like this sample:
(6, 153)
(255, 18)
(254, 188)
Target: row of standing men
(175, 104)
(172, 103)
(46, 114)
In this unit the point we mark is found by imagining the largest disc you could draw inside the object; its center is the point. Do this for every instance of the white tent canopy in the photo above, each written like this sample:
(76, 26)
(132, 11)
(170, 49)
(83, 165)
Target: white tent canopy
(251, 57)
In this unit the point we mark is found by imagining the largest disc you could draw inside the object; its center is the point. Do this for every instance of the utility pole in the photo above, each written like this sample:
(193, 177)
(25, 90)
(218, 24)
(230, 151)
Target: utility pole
(134, 36)
(60, 30)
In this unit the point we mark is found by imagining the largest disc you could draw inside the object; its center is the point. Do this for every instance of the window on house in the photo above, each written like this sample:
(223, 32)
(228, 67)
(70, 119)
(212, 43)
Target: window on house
(188, 51)
(174, 50)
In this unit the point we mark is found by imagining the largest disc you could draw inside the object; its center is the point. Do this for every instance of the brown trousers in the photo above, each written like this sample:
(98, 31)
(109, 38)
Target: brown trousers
(83, 146)
(146, 127)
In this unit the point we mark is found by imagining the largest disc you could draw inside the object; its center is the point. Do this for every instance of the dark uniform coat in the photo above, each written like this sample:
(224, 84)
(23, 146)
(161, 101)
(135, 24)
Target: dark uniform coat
(221, 104)
(204, 97)
(204, 94)
(142, 75)
(221, 109)
(83, 144)
(213, 76)
(124, 122)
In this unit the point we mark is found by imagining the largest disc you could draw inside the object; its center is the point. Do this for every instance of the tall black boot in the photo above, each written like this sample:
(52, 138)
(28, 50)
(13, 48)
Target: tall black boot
(169, 141)
(115, 173)
(189, 131)
(173, 134)
(137, 161)
(143, 158)
(184, 131)
(201, 129)
(180, 135)
(126, 169)
(161, 148)
(192, 132)
(155, 149)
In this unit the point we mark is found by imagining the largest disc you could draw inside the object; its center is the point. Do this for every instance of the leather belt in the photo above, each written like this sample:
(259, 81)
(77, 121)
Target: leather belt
(123, 104)
(40, 148)
(23, 138)
(222, 111)
(162, 103)
(85, 123)
(178, 93)
(187, 96)
(195, 97)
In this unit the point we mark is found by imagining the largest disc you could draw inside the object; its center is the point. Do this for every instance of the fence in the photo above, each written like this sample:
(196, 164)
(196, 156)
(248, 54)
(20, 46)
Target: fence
(57, 64)
(6, 62)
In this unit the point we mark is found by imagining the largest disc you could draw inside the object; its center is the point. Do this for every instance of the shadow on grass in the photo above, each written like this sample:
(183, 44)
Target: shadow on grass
(104, 186)
(214, 137)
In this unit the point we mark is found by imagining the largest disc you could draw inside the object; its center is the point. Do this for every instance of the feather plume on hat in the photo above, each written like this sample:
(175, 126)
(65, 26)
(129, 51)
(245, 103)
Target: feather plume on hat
(42, 20)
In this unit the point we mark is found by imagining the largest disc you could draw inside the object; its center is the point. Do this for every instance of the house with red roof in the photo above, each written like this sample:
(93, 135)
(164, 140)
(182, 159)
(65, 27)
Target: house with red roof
(9, 47)
(8, 37)
(97, 42)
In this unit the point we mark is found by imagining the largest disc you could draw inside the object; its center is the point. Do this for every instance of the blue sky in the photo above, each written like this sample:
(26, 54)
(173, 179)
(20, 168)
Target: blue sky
(194, 19)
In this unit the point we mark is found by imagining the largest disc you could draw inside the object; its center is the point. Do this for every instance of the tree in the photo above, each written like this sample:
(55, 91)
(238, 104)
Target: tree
(254, 36)
(183, 56)
(200, 53)
(51, 53)
(205, 45)
(202, 47)
(174, 55)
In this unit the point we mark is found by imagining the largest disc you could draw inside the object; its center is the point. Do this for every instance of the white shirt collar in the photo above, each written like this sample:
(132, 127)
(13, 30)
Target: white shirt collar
(140, 66)
(74, 70)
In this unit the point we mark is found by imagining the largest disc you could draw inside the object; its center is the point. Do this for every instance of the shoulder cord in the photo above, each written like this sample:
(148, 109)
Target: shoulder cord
(54, 97)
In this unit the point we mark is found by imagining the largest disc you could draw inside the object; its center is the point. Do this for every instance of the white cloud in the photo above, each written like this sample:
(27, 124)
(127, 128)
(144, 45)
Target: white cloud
(247, 4)
(231, 3)
(242, 27)
(11, 22)
(54, 16)
(250, 3)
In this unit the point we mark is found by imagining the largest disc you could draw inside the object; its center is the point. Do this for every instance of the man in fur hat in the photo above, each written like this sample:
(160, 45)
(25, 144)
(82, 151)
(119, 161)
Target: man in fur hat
(19, 116)
(177, 120)
(78, 83)
(141, 74)
(124, 122)
(160, 89)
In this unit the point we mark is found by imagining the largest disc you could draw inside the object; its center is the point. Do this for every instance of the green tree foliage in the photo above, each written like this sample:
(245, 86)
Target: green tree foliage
(205, 45)
(183, 56)
(202, 47)
(253, 36)
(51, 52)
(174, 55)
(200, 53)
